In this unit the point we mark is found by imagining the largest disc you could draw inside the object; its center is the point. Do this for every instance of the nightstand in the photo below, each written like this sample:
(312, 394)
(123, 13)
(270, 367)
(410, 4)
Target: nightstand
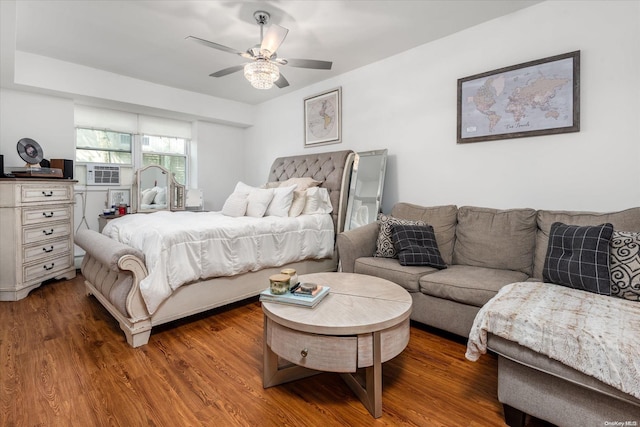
(104, 219)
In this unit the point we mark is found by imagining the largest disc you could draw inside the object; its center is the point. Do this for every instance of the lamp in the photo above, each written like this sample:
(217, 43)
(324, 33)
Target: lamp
(262, 73)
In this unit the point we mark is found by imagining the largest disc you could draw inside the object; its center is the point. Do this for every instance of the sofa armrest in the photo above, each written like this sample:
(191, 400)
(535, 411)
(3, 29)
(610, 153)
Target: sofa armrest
(357, 243)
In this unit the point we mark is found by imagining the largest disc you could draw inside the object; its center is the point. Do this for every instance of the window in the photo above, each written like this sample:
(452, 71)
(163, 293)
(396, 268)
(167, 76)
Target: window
(100, 146)
(171, 153)
(133, 140)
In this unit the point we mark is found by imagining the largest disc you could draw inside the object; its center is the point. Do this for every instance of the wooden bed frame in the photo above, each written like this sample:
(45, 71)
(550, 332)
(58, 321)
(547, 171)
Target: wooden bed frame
(113, 270)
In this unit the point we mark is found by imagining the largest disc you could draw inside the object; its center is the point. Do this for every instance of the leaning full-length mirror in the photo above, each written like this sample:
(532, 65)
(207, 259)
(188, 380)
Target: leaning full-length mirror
(365, 190)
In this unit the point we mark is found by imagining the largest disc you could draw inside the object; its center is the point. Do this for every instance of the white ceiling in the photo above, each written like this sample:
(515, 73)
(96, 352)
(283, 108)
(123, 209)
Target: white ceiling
(146, 39)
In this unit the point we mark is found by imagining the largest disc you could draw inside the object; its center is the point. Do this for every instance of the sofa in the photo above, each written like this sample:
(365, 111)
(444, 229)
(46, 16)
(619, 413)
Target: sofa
(484, 250)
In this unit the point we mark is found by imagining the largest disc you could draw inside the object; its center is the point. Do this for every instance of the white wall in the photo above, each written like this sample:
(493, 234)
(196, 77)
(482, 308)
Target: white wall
(46, 119)
(407, 104)
(220, 161)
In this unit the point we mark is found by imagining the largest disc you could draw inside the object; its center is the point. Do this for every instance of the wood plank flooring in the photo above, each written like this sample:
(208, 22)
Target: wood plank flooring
(65, 362)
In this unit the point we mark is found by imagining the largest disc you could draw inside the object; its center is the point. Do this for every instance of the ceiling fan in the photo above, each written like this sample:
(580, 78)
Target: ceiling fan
(263, 71)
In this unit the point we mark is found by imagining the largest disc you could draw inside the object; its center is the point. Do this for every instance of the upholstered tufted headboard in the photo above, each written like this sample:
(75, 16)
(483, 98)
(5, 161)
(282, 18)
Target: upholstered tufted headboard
(332, 168)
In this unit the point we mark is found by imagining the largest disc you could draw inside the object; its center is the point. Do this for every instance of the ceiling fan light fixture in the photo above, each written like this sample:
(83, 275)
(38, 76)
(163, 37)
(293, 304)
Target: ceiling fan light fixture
(261, 74)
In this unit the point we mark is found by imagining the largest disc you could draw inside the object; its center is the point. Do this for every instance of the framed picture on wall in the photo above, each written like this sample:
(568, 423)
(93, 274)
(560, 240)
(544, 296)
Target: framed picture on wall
(118, 196)
(323, 118)
(534, 98)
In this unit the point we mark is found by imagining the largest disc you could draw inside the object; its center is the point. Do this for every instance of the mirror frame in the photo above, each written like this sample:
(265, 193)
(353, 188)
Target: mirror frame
(353, 185)
(175, 191)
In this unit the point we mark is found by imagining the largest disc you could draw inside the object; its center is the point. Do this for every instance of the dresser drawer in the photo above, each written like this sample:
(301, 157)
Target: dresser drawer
(32, 193)
(46, 269)
(34, 234)
(45, 250)
(45, 214)
(320, 352)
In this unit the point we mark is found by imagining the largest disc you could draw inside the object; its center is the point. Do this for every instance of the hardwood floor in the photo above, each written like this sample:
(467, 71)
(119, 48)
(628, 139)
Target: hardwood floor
(65, 362)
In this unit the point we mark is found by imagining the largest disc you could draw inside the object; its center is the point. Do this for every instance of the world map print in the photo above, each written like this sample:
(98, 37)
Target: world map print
(526, 99)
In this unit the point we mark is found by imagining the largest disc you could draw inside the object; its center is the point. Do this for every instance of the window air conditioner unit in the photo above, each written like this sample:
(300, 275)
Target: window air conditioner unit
(103, 175)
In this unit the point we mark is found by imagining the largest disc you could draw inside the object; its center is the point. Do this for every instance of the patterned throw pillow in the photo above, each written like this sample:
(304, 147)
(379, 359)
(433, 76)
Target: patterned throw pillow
(625, 265)
(578, 257)
(416, 245)
(384, 244)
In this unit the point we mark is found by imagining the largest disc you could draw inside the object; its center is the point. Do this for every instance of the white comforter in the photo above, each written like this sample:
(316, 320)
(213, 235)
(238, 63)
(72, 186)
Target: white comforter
(594, 334)
(181, 247)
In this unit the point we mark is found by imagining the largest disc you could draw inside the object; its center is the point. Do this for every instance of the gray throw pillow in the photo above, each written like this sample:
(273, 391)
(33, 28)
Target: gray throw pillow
(625, 265)
(578, 257)
(416, 245)
(384, 244)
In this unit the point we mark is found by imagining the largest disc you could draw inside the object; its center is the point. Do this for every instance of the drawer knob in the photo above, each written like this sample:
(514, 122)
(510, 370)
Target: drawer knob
(47, 233)
(304, 352)
(47, 215)
(47, 194)
(48, 268)
(48, 250)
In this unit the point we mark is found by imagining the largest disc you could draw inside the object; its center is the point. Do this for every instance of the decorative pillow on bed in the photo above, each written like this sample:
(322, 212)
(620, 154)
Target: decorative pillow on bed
(302, 183)
(384, 244)
(281, 202)
(317, 201)
(625, 265)
(258, 202)
(272, 184)
(241, 187)
(235, 205)
(297, 205)
(578, 257)
(416, 245)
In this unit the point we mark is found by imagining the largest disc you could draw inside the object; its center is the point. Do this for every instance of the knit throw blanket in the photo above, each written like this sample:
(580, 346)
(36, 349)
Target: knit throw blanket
(594, 334)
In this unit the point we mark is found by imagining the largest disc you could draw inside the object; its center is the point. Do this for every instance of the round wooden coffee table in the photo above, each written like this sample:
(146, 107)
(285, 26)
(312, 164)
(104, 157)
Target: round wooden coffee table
(361, 323)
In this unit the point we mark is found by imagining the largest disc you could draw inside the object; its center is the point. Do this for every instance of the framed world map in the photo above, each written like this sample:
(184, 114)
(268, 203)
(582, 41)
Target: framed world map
(323, 118)
(534, 98)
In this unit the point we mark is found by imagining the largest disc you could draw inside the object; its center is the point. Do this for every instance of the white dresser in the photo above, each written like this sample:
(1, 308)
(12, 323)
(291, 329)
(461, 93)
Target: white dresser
(36, 234)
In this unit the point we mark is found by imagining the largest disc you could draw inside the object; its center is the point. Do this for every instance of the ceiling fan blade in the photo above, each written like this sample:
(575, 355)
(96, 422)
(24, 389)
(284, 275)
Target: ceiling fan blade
(226, 71)
(215, 45)
(281, 82)
(309, 63)
(274, 38)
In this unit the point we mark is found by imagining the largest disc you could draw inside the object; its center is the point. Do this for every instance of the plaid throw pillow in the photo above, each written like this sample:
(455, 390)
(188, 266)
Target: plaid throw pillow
(416, 245)
(625, 265)
(384, 244)
(578, 257)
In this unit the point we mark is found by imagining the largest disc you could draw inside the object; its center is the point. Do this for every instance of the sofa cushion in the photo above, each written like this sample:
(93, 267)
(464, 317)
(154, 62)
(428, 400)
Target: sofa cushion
(384, 244)
(442, 218)
(492, 238)
(390, 269)
(578, 257)
(626, 220)
(416, 245)
(467, 284)
(625, 265)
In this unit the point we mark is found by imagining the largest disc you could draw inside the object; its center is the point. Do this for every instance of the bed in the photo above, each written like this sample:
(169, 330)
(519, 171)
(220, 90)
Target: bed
(114, 271)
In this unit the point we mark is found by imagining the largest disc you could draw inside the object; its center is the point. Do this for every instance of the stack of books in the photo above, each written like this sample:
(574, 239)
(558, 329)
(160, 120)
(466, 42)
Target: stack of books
(296, 296)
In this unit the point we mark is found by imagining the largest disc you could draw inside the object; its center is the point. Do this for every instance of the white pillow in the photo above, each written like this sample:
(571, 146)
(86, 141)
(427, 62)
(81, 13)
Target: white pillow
(281, 202)
(297, 205)
(235, 205)
(303, 183)
(258, 201)
(241, 187)
(161, 195)
(147, 196)
(317, 202)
